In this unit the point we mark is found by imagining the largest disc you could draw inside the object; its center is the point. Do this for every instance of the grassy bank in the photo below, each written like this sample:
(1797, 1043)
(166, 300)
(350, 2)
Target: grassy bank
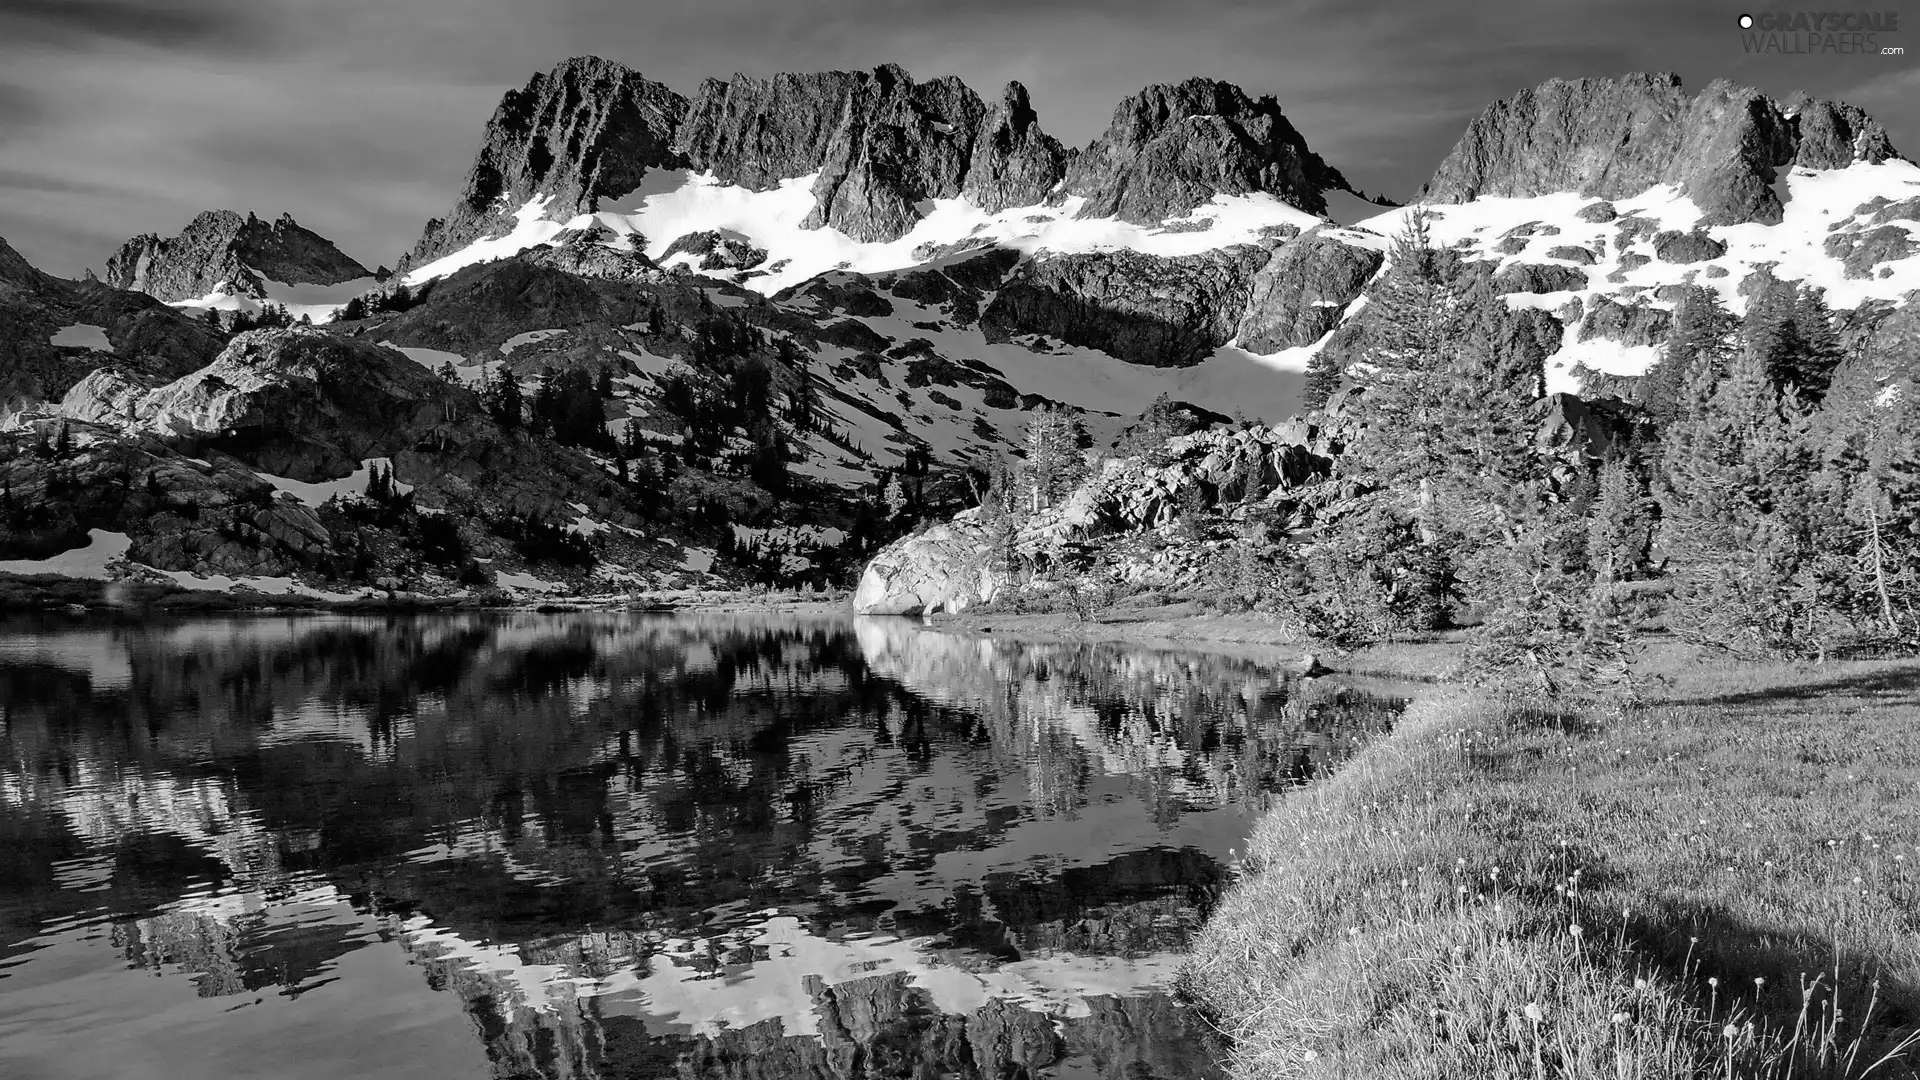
(1739, 860)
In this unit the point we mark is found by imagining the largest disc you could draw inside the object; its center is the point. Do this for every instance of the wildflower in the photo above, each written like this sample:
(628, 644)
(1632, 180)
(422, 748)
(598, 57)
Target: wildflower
(1534, 1012)
(1729, 1032)
(1639, 984)
(1713, 981)
(1620, 1018)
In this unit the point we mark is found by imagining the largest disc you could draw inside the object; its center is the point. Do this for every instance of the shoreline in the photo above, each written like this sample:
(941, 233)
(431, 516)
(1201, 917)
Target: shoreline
(1185, 626)
(26, 594)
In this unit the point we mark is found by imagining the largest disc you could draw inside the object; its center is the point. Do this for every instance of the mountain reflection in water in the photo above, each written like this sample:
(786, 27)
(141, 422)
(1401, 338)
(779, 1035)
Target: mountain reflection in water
(618, 845)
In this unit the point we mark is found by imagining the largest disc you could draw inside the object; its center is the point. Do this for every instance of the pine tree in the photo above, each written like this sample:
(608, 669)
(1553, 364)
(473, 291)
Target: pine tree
(1324, 374)
(1620, 531)
(1055, 465)
(505, 402)
(1701, 336)
(1737, 516)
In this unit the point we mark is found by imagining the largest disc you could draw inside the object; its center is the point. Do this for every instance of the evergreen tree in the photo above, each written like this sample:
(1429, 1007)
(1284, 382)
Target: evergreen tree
(504, 400)
(1701, 335)
(1055, 465)
(1736, 513)
(1324, 374)
(1620, 531)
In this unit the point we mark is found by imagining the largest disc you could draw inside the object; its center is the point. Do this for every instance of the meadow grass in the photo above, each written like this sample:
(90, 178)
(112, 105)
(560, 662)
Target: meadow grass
(1721, 883)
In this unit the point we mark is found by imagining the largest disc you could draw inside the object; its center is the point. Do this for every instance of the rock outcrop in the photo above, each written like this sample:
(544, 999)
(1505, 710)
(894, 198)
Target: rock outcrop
(1173, 147)
(1614, 138)
(1145, 309)
(1304, 290)
(224, 251)
(1014, 162)
(589, 129)
(962, 562)
(717, 252)
(312, 406)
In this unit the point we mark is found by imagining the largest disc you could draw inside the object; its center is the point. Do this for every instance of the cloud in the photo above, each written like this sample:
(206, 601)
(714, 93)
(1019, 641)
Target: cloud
(199, 26)
(21, 110)
(52, 183)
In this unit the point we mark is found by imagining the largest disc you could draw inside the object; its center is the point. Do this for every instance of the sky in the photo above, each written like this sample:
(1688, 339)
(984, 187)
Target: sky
(361, 117)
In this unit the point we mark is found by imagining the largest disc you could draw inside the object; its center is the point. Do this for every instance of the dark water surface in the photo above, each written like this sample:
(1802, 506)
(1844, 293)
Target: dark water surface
(620, 846)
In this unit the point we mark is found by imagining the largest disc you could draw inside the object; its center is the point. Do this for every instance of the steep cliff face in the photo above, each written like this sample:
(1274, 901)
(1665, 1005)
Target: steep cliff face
(224, 251)
(879, 142)
(587, 130)
(1303, 292)
(1614, 138)
(1162, 312)
(1173, 147)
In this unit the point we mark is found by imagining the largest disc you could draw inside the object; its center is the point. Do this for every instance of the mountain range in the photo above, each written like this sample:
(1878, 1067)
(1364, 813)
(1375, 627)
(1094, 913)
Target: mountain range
(774, 319)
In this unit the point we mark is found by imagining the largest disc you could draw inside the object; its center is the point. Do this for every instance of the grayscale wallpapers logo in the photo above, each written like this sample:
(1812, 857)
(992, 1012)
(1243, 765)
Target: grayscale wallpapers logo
(1798, 33)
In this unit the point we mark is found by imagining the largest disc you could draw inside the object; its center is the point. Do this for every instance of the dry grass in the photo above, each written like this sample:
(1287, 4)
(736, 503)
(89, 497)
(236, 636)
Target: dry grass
(1739, 860)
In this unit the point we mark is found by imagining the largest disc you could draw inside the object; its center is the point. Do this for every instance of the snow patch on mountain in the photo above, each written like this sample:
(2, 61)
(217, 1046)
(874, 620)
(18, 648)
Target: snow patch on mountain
(316, 494)
(1627, 266)
(773, 220)
(89, 561)
(316, 302)
(81, 336)
(530, 229)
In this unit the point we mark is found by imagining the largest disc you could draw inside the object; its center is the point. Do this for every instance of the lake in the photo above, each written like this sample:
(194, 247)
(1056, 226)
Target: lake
(622, 845)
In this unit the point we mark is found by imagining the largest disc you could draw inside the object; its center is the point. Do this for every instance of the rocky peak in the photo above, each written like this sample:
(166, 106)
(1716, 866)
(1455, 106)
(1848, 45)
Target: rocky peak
(1174, 146)
(1014, 162)
(587, 130)
(223, 251)
(879, 142)
(1614, 138)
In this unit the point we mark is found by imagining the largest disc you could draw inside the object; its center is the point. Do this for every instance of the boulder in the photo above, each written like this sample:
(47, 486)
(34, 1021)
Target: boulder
(1686, 247)
(1538, 278)
(946, 568)
(1572, 253)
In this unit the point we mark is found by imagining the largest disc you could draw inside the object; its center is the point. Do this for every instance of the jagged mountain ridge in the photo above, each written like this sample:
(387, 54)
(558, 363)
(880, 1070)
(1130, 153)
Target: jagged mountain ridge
(876, 144)
(224, 252)
(1722, 147)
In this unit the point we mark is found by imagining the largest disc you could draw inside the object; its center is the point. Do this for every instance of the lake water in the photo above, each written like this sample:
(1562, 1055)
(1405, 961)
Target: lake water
(611, 845)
